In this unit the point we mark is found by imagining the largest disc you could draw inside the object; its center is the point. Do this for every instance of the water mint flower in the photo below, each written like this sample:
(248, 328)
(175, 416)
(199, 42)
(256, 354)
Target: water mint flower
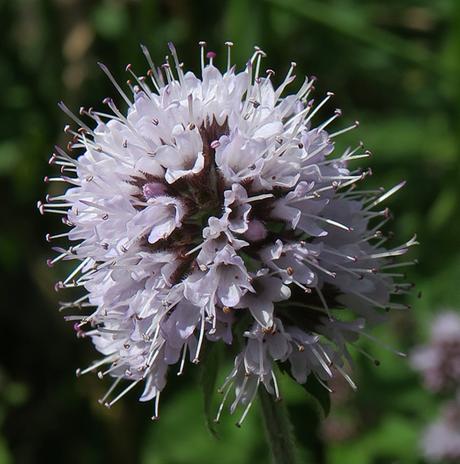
(439, 360)
(213, 209)
(441, 439)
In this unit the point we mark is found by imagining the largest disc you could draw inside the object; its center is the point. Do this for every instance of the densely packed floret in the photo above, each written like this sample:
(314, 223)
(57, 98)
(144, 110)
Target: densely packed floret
(439, 360)
(213, 210)
(441, 440)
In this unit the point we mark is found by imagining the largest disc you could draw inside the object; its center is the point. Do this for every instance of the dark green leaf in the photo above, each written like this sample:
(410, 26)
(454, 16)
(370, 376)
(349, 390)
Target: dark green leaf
(321, 395)
(251, 264)
(209, 372)
(313, 388)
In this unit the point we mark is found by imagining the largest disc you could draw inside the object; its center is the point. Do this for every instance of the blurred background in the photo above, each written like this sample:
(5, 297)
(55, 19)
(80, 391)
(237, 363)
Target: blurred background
(394, 65)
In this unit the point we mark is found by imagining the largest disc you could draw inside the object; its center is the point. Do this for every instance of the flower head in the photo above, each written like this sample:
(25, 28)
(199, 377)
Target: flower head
(439, 360)
(441, 440)
(214, 210)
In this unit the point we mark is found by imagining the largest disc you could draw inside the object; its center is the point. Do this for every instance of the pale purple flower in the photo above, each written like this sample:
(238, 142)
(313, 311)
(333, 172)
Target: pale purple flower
(439, 360)
(441, 440)
(213, 205)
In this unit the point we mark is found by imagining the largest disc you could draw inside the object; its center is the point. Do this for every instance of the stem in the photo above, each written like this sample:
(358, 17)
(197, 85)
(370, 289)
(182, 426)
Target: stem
(278, 429)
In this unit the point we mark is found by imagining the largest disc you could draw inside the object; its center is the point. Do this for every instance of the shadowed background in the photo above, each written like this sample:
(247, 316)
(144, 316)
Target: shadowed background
(393, 65)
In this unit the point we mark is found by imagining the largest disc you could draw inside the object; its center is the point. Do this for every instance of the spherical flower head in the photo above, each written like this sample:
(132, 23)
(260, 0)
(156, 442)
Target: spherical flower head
(439, 360)
(213, 210)
(441, 440)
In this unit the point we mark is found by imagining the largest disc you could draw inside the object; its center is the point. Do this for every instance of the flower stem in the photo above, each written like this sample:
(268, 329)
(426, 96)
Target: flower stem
(278, 429)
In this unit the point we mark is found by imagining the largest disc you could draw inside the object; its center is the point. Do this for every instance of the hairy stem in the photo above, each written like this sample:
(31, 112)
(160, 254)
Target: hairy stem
(278, 429)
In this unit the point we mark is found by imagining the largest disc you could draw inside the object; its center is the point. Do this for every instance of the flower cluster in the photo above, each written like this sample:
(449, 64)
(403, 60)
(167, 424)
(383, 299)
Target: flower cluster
(213, 210)
(441, 440)
(439, 361)
(439, 364)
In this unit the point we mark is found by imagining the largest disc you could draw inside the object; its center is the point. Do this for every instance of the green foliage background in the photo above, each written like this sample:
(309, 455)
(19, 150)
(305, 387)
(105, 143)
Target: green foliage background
(394, 65)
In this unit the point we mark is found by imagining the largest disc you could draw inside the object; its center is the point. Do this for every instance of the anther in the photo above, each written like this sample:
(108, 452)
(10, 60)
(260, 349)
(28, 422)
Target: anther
(40, 205)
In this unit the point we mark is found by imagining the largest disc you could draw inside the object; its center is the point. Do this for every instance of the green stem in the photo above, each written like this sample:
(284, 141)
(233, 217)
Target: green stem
(278, 429)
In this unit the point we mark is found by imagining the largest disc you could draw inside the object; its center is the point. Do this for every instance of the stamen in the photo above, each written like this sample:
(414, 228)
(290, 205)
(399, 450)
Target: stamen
(240, 394)
(72, 116)
(382, 344)
(123, 393)
(105, 69)
(320, 105)
(222, 403)
(101, 362)
(229, 46)
(287, 80)
(275, 386)
(110, 390)
(346, 129)
(337, 114)
(248, 407)
(196, 360)
(156, 414)
(386, 195)
(155, 78)
(180, 72)
(347, 378)
(140, 81)
(211, 55)
(182, 362)
(202, 45)
(324, 303)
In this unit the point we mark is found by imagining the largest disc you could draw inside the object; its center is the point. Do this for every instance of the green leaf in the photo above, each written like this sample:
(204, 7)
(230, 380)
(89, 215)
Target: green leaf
(251, 264)
(313, 388)
(208, 378)
(278, 429)
(275, 227)
(351, 24)
(243, 23)
(319, 393)
(9, 157)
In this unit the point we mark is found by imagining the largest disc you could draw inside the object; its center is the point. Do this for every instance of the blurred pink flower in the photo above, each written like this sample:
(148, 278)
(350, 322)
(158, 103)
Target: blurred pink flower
(439, 360)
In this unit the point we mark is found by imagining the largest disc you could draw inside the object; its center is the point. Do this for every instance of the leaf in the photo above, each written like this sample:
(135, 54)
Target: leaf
(9, 157)
(208, 380)
(244, 23)
(321, 395)
(275, 227)
(356, 27)
(251, 264)
(313, 388)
